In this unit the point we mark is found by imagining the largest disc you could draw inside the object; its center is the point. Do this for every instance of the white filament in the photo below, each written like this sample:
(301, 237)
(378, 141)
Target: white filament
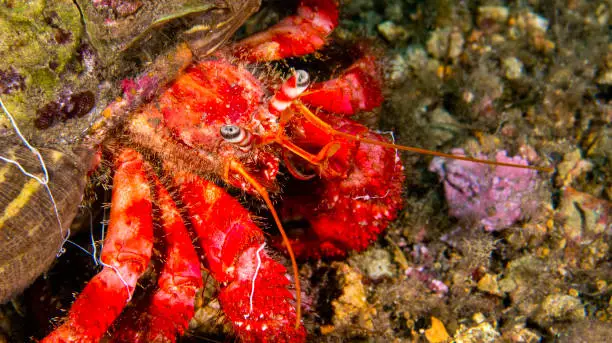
(255, 277)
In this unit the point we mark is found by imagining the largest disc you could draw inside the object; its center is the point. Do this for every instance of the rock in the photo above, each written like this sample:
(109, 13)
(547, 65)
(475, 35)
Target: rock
(445, 43)
(605, 78)
(481, 333)
(513, 68)
(583, 217)
(375, 263)
(520, 334)
(206, 319)
(442, 127)
(531, 22)
(488, 284)
(534, 27)
(392, 32)
(496, 14)
(44, 37)
(437, 332)
(351, 308)
(559, 307)
(572, 167)
(525, 280)
(395, 70)
(416, 57)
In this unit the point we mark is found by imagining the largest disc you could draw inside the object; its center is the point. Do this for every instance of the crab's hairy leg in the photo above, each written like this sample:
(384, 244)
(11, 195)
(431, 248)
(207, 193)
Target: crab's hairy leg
(172, 304)
(165, 68)
(357, 89)
(295, 35)
(126, 255)
(239, 168)
(254, 293)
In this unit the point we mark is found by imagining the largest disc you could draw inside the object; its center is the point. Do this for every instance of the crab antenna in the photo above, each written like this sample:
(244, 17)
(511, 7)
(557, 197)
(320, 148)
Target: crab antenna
(237, 167)
(328, 128)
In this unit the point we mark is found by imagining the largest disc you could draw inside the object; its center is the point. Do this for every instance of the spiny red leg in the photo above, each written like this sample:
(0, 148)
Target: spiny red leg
(254, 294)
(126, 255)
(172, 305)
(296, 35)
(356, 89)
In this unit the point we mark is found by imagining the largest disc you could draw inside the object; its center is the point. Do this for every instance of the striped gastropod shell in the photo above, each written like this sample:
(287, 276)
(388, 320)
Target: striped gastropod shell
(30, 231)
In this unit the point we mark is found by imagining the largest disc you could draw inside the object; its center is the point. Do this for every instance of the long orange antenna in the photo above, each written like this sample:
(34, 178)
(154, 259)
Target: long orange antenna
(328, 128)
(237, 167)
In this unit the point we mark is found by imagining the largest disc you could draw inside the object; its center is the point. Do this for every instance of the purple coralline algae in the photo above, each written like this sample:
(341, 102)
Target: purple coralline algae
(494, 196)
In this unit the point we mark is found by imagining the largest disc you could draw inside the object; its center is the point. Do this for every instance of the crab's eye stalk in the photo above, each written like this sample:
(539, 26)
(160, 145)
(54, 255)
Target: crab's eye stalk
(236, 135)
(302, 78)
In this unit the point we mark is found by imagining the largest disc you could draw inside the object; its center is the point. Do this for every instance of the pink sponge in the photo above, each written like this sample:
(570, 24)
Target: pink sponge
(494, 196)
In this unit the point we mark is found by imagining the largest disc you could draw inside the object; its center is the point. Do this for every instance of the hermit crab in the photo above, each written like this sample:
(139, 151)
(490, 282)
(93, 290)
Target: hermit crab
(221, 123)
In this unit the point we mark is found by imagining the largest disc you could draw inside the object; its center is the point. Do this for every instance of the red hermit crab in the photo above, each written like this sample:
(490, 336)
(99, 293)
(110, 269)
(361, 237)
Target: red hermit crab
(219, 123)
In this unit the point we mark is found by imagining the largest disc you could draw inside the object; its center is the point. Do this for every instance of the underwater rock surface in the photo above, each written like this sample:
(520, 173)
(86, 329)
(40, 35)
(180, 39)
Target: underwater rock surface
(530, 78)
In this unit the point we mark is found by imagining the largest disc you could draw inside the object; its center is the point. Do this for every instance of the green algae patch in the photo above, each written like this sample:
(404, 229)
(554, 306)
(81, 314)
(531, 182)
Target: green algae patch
(40, 39)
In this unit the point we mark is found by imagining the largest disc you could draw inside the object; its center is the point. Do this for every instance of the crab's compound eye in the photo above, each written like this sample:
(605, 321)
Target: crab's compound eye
(231, 133)
(237, 135)
(302, 78)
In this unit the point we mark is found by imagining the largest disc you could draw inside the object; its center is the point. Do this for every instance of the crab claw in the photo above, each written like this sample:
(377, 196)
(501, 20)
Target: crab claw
(357, 89)
(295, 35)
(356, 197)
